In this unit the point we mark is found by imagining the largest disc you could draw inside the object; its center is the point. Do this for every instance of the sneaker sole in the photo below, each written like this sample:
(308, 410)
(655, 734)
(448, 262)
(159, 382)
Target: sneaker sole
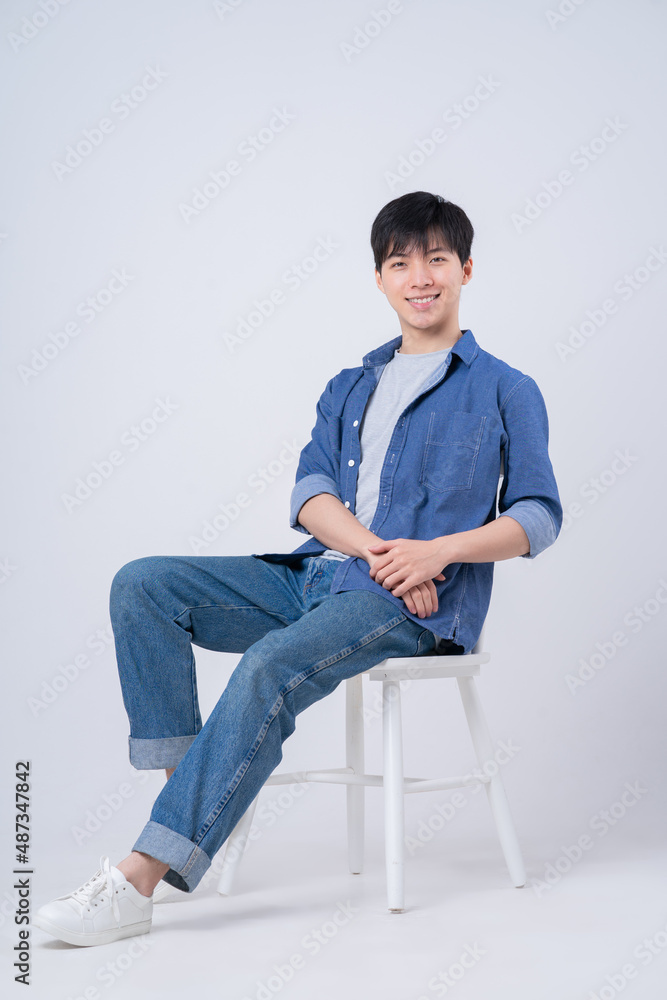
(83, 939)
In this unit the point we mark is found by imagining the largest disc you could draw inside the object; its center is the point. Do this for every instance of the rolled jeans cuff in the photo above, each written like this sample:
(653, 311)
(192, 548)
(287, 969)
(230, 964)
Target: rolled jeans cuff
(165, 752)
(188, 863)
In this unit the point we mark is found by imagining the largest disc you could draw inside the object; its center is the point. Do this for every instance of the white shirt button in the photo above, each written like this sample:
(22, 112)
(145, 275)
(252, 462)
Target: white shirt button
(355, 423)
(351, 462)
(347, 503)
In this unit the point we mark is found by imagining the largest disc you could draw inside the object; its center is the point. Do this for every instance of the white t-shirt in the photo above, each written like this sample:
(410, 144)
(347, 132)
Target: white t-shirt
(401, 381)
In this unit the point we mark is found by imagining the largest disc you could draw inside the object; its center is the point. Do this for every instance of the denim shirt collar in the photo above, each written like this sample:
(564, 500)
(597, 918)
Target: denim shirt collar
(465, 347)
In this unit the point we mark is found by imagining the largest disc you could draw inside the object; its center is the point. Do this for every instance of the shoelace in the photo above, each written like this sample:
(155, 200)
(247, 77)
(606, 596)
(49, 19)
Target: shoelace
(100, 882)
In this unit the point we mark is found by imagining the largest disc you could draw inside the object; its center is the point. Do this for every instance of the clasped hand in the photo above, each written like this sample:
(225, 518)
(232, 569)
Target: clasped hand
(407, 567)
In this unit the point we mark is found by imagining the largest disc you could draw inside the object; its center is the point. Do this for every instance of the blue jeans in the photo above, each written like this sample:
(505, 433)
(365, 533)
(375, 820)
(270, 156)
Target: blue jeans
(298, 641)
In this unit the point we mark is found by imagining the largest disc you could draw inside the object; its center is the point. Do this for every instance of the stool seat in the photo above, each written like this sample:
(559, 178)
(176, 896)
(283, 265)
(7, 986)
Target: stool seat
(390, 672)
(424, 667)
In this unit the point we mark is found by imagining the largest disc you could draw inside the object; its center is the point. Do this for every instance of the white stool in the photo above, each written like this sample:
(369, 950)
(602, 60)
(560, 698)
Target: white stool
(391, 671)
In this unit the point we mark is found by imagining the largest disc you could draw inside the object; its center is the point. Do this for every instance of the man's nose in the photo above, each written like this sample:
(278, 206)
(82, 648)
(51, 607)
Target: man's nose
(419, 276)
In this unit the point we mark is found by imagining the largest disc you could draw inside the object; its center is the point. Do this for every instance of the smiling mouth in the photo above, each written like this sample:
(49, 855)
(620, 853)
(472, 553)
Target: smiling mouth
(424, 300)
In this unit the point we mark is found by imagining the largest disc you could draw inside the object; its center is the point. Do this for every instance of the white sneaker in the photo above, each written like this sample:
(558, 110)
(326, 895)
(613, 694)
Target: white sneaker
(166, 893)
(105, 908)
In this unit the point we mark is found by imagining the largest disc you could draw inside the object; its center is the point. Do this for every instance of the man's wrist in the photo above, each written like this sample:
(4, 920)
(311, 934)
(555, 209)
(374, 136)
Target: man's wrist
(363, 549)
(447, 550)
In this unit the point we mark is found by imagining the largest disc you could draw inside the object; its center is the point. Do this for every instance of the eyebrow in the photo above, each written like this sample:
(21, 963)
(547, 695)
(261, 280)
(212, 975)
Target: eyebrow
(426, 253)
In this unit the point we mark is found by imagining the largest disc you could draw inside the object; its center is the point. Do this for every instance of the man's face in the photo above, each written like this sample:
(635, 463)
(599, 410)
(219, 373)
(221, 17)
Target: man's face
(424, 289)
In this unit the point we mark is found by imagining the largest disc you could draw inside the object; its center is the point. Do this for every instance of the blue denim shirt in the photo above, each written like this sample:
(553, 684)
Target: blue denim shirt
(475, 417)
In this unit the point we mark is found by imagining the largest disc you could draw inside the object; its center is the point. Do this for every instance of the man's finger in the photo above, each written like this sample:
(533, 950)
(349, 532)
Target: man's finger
(433, 594)
(419, 601)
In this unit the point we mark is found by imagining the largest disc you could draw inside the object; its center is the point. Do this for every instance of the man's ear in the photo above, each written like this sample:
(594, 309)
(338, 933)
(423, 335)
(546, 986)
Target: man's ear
(378, 281)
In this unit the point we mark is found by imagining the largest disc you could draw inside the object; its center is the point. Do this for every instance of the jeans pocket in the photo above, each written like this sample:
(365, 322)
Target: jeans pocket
(316, 569)
(426, 641)
(451, 451)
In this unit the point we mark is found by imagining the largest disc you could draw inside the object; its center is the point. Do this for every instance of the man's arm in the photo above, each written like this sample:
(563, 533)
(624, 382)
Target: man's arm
(330, 521)
(530, 512)
(315, 497)
(404, 562)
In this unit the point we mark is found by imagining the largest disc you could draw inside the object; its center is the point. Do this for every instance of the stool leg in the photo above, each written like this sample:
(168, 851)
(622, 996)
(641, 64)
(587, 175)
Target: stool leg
(495, 789)
(394, 819)
(354, 752)
(234, 849)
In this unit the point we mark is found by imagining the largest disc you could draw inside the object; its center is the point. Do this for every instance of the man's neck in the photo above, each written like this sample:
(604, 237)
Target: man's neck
(418, 342)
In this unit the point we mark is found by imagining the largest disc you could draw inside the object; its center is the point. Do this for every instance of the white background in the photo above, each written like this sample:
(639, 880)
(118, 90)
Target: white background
(357, 110)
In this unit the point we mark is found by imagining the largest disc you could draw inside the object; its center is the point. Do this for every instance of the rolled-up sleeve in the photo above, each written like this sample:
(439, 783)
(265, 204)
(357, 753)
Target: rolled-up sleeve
(529, 493)
(319, 462)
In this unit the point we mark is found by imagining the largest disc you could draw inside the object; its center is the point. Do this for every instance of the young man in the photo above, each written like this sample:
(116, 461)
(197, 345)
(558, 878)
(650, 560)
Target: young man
(398, 488)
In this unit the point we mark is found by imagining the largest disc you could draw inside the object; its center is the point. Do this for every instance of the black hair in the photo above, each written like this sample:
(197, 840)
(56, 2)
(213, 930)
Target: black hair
(406, 223)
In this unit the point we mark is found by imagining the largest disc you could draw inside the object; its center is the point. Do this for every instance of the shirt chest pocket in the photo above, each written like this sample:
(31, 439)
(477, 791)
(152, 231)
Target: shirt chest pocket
(451, 451)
